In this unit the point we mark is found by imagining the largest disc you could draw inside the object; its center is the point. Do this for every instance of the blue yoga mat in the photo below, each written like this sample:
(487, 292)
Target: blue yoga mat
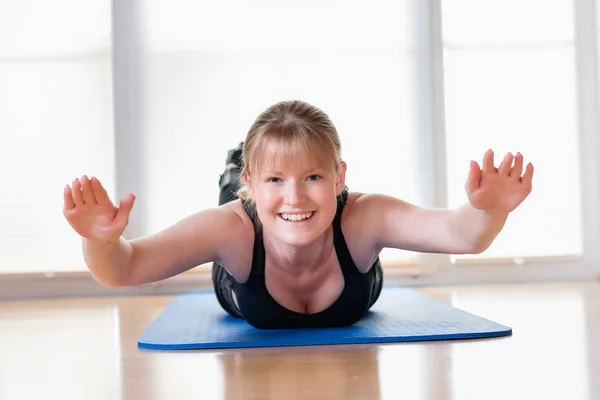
(197, 321)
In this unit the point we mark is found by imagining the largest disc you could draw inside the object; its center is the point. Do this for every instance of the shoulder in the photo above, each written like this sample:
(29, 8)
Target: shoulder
(238, 215)
(362, 212)
(359, 229)
(359, 205)
(383, 221)
(374, 212)
(236, 253)
(372, 204)
(368, 217)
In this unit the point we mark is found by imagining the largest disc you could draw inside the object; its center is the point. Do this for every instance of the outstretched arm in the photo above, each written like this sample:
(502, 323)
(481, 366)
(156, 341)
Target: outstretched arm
(114, 261)
(470, 229)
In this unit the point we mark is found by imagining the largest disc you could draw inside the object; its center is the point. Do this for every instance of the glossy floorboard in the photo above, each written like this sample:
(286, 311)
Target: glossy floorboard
(86, 349)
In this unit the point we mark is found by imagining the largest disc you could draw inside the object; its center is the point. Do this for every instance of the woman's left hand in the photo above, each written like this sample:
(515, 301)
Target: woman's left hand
(499, 190)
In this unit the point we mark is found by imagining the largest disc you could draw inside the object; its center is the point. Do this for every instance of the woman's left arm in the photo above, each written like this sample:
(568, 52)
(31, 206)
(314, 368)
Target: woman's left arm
(493, 194)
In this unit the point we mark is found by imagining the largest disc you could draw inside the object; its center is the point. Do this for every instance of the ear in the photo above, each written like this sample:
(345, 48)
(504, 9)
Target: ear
(340, 181)
(248, 182)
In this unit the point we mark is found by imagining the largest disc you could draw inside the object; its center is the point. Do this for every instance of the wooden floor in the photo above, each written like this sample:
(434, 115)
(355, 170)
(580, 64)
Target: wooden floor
(87, 349)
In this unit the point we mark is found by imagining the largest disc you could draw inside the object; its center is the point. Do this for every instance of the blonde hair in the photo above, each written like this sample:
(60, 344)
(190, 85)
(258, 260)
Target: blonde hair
(294, 126)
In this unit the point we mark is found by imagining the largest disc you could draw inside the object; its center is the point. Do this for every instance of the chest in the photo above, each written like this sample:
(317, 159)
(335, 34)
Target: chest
(309, 292)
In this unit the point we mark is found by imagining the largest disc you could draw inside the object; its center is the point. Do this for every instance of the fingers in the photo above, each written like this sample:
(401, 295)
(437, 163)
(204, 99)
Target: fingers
(68, 198)
(99, 192)
(125, 206)
(86, 189)
(528, 176)
(488, 162)
(507, 168)
(76, 193)
(517, 170)
(506, 165)
(474, 177)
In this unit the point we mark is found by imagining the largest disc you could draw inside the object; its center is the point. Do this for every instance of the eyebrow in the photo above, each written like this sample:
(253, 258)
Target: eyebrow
(274, 172)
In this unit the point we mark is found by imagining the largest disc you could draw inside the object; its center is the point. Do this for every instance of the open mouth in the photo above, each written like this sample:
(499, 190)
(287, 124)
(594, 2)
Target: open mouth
(296, 217)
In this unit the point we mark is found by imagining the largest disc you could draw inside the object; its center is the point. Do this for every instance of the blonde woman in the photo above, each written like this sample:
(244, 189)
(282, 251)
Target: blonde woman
(291, 246)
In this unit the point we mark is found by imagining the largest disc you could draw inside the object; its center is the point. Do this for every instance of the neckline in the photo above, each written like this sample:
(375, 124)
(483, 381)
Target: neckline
(339, 244)
(296, 313)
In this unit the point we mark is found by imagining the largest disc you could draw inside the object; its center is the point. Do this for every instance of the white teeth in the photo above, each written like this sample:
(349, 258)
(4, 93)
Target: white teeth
(296, 217)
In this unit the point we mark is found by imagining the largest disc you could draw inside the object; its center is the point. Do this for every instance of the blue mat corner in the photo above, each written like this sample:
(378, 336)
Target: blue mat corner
(197, 321)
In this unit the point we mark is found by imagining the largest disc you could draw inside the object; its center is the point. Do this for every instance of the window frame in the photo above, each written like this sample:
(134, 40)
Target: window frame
(531, 269)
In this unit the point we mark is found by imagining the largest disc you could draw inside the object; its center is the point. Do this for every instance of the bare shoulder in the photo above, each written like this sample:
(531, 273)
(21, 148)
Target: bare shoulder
(383, 221)
(371, 210)
(358, 208)
(237, 213)
(236, 251)
(358, 230)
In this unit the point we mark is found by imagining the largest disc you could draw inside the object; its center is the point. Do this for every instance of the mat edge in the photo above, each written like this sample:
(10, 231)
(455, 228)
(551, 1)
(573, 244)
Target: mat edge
(389, 340)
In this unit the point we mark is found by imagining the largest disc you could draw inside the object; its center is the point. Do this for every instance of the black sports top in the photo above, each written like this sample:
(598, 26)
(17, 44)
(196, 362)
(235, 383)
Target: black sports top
(262, 311)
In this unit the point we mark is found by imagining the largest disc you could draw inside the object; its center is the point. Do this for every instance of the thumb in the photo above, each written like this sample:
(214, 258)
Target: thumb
(125, 206)
(474, 177)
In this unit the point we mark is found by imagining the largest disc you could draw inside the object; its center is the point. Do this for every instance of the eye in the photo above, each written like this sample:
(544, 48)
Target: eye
(273, 180)
(314, 178)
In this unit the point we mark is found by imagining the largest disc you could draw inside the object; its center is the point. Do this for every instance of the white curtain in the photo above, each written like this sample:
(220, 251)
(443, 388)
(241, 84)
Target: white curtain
(510, 85)
(55, 124)
(212, 67)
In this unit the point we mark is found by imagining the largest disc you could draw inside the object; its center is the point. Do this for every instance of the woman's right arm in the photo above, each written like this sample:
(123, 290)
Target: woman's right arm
(108, 261)
(114, 261)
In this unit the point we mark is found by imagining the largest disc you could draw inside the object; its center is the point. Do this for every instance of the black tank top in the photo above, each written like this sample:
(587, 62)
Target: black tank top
(263, 312)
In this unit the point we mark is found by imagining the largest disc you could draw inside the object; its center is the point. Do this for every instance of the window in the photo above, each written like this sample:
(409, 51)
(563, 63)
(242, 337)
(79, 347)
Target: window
(211, 68)
(515, 90)
(416, 89)
(55, 125)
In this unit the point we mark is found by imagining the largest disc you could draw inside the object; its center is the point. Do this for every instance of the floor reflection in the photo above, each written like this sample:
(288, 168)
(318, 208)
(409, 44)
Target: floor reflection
(87, 348)
(552, 354)
(59, 349)
(336, 373)
(546, 357)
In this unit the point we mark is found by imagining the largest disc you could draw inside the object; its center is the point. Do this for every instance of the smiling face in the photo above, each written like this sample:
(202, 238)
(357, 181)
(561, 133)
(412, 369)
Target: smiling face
(295, 192)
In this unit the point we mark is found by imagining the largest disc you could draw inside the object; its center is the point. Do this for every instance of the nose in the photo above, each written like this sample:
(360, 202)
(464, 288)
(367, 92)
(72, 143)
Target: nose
(293, 193)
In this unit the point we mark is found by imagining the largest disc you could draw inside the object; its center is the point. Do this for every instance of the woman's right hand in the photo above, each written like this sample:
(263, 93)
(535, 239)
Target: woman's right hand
(91, 213)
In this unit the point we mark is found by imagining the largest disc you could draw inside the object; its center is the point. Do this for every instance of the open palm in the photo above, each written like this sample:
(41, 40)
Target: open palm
(499, 190)
(91, 213)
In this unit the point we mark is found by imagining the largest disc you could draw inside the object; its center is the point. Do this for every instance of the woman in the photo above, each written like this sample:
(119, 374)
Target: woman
(296, 249)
